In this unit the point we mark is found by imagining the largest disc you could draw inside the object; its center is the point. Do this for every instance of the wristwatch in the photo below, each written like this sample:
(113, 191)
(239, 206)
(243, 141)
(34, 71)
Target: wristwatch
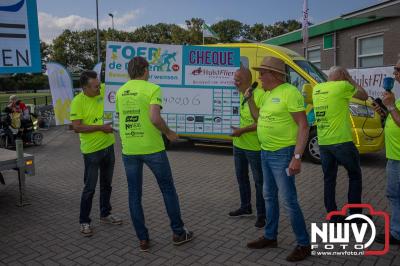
(391, 108)
(297, 156)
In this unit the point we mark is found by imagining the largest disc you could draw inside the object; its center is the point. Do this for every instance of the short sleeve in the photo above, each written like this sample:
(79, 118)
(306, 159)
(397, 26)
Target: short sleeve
(348, 90)
(295, 101)
(156, 96)
(258, 97)
(76, 109)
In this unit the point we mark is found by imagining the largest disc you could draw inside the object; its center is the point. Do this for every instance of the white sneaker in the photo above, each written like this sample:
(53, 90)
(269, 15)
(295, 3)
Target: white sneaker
(111, 219)
(86, 229)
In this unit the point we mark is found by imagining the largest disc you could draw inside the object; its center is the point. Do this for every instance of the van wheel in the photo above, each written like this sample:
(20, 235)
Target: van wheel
(312, 148)
(167, 143)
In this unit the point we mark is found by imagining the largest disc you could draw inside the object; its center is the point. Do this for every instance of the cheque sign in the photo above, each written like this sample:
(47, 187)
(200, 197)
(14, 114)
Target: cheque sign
(19, 37)
(197, 83)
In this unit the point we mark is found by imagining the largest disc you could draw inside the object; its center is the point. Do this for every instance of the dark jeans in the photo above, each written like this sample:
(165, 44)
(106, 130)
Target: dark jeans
(242, 160)
(347, 155)
(102, 160)
(159, 165)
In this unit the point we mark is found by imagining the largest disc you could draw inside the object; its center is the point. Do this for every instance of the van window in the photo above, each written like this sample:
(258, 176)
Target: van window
(312, 70)
(295, 79)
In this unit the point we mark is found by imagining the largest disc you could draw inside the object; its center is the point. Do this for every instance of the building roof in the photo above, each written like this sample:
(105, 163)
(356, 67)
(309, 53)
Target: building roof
(383, 10)
(369, 14)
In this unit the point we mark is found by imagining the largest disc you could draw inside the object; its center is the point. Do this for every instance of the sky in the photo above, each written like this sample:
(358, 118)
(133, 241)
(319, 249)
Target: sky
(57, 15)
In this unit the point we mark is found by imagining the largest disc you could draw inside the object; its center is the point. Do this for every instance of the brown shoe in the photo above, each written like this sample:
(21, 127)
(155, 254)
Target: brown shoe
(144, 245)
(262, 242)
(299, 253)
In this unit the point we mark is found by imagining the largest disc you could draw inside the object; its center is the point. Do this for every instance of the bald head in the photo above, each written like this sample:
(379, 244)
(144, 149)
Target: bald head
(243, 78)
(338, 73)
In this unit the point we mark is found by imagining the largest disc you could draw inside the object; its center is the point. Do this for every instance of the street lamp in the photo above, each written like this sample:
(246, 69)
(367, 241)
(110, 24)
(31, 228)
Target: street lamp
(112, 19)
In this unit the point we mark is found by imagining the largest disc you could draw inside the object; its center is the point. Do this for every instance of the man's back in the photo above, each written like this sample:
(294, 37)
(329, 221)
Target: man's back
(331, 106)
(138, 134)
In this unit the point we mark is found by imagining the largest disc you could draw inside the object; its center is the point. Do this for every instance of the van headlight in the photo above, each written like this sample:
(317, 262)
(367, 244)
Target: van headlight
(361, 110)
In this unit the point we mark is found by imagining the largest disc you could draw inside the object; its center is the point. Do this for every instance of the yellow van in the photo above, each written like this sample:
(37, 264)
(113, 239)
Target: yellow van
(366, 124)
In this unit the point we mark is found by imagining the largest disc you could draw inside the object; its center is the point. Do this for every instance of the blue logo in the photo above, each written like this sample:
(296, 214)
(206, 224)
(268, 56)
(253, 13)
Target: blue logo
(13, 8)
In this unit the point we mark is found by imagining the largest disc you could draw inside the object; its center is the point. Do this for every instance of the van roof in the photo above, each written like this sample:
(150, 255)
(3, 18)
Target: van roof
(279, 50)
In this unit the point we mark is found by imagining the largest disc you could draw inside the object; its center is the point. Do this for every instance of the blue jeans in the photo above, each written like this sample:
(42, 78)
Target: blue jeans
(242, 160)
(393, 194)
(159, 165)
(347, 155)
(274, 164)
(102, 160)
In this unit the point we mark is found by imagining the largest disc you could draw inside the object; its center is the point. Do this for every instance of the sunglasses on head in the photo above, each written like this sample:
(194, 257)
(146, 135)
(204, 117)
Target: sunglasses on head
(397, 69)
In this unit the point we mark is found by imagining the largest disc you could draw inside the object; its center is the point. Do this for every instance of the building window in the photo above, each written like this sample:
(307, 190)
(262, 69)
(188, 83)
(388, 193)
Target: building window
(370, 51)
(328, 41)
(314, 56)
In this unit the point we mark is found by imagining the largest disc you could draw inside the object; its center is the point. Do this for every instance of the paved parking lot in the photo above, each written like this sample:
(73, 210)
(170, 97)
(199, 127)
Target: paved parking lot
(47, 231)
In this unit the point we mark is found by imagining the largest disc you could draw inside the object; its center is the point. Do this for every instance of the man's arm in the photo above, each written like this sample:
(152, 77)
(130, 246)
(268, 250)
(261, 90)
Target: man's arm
(159, 123)
(361, 94)
(390, 102)
(237, 132)
(82, 128)
(302, 137)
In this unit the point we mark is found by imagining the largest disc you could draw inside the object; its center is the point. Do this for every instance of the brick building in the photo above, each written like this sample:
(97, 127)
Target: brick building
(365, 38)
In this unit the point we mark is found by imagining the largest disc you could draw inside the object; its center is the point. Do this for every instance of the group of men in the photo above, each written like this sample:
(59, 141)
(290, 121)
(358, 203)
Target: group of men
(272, 137)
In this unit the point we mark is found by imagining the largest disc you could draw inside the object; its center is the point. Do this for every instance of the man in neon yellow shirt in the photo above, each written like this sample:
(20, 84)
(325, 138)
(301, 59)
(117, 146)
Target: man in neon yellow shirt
(283, 131)
(97, 147)
(331, 107)
(392, 143)
(246, 151)
(139, 103)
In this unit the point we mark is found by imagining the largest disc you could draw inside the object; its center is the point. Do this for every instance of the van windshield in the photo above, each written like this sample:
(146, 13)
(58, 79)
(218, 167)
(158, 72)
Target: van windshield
(312, 70)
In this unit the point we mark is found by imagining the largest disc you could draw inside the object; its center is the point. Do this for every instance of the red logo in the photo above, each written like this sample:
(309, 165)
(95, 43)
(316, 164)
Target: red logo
(197, 71)
(175, 67)
(337, 235)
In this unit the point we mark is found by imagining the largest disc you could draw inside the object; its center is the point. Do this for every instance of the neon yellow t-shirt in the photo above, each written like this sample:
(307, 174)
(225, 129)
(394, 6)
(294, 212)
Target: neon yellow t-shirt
(90, 111)
(138, 134)
(392, 137)
(331, 107)
(276, 128)
(248, 140)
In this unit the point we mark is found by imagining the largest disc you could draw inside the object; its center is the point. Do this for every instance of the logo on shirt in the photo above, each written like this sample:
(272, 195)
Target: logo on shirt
(131, 119)
(275, 100)
(318, 92)
(129, 93)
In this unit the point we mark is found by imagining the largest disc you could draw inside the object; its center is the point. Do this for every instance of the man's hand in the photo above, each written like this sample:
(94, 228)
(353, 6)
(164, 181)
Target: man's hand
(171, 136)
(378, 109)
(248, 93)
(388, 99)
(107, 128)
(294, 167)
(236, 132)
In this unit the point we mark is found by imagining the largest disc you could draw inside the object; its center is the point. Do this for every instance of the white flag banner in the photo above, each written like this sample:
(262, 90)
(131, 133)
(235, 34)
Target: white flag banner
(208, 32)
(305, 23)
(371, 79)
(60, 82)
(97, 69)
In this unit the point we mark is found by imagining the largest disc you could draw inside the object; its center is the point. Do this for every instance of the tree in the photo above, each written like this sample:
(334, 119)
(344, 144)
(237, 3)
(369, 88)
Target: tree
(228, 30)
(195, 33)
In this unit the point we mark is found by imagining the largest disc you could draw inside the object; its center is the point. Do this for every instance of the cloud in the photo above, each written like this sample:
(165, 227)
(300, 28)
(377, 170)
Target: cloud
(51, 26)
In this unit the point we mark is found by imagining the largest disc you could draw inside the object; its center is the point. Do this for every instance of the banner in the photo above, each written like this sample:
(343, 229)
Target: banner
(60, 82)
(19, 37)
(197, 84)
(371, 79)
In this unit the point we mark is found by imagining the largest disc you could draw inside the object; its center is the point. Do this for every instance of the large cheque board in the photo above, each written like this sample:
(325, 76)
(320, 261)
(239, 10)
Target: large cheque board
(197, 84)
